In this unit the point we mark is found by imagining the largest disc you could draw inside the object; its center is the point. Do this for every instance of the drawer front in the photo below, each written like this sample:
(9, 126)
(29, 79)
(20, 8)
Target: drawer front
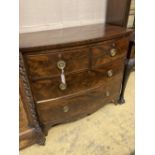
(72, 108)
(45, 65)
(108, 51)
(49, 88)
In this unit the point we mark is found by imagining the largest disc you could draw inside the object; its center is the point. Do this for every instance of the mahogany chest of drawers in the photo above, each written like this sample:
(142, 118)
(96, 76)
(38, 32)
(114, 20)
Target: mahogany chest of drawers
(71, 73)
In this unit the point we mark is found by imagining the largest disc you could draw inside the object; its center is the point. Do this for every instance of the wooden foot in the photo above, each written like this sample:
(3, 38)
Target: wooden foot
(41, 141)
(121, 100)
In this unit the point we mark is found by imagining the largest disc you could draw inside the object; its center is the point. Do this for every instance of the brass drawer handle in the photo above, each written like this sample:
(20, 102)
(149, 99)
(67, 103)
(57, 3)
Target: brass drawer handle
(61, 64)
(110, 73)
(62, 86)
(113, 52)
(66, 108)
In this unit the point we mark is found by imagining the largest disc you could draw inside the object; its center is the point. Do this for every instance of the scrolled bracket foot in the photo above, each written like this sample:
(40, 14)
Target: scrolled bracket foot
(41, 141)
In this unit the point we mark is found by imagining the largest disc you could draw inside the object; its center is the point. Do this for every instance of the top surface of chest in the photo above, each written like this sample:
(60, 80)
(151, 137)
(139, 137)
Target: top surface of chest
(69, 36)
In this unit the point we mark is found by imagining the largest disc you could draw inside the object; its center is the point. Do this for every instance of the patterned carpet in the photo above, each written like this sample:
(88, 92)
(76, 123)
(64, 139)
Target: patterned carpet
(109, 131)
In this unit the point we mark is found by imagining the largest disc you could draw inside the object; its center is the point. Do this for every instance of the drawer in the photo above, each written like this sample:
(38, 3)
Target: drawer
(49, 88)
(109, 51)
(76, 106)
(45, 65)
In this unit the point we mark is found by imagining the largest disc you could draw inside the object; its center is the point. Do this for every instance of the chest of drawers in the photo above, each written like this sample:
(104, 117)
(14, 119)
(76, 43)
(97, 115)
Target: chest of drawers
(73, 72)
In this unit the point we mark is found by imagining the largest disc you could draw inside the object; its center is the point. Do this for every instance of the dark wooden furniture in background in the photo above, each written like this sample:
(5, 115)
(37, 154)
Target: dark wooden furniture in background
(29, 128)
(118, 12)
(129, 66)
(130, 61)
(26, 133)
(95, 58)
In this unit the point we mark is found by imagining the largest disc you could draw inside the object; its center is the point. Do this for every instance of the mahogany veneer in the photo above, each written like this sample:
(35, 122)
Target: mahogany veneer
(94, 58)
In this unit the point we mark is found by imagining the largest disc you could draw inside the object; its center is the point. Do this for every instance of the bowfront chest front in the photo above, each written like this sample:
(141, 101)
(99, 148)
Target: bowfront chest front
(73, 72)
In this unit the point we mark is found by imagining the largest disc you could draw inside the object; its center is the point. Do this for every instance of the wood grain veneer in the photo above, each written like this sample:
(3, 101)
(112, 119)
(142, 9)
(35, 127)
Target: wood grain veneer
(95, 57)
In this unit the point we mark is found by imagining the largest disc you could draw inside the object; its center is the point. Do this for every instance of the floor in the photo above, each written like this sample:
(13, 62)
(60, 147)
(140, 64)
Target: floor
(109, 131)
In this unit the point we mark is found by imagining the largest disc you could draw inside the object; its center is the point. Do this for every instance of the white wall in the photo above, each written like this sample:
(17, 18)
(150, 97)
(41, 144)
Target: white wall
(38, 15)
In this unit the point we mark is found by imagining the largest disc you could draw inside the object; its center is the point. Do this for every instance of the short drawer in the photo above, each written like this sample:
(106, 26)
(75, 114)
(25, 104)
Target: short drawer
(70, 108)
(108, 51)
(44, 65)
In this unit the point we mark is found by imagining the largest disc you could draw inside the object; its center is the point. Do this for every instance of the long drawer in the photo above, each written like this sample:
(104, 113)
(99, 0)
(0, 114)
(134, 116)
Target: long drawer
(49, 88)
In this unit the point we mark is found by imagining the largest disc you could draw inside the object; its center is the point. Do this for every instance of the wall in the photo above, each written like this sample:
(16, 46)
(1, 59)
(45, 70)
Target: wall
(37, 15)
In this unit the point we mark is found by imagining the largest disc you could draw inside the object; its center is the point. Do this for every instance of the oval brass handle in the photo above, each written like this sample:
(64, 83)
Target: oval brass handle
(66, 108)
(61, 65)
(110, 73)
(62, 86)
(113, 52)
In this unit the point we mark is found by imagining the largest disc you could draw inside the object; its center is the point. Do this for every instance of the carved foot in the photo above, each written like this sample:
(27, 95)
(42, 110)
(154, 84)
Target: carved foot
(45, 129)
(45, 132)
(41, 141)
(121, 100)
